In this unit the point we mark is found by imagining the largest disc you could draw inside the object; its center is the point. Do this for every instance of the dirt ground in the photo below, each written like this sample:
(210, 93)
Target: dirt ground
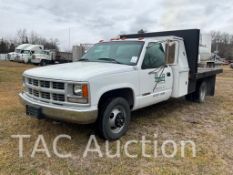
(209, 125)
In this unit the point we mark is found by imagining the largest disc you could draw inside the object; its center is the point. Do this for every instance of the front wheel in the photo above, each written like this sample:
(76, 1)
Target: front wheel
(43, 63)
(114, 118)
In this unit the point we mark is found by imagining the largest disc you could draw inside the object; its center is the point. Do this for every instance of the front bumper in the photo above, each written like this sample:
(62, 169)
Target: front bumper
(36, 60)
(80, 116)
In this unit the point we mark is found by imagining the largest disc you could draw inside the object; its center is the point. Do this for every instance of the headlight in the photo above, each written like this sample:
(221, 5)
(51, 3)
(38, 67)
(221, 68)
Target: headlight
(80, 94)
(78, 90)
(81, 90)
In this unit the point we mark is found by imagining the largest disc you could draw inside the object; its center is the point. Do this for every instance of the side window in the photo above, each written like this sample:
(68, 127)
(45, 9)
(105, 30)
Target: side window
(154, 57)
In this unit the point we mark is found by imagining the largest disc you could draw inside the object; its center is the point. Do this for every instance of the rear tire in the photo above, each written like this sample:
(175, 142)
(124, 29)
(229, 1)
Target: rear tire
(200, 93)
(114, 118)
(202, 90)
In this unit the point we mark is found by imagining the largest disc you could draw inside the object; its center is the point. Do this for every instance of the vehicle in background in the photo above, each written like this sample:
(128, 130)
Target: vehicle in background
(204, 54)
(12, 55)
(42, 57)
(62, 57)
(25, 55)
(206, 57)
(119, 76)
(3, 57)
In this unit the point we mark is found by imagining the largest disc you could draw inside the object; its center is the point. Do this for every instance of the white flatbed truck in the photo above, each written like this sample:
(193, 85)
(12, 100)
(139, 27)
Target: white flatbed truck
(119, 76)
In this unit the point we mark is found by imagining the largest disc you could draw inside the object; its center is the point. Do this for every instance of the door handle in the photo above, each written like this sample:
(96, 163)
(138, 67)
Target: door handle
(168, 74)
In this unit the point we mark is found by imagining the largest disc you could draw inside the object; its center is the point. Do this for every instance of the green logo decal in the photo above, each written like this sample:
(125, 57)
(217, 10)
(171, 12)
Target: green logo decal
(160, 78)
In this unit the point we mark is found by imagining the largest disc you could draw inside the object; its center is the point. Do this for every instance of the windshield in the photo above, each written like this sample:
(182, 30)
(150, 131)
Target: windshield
(25, 52)
(121, 52)
(17, 50)
(38, 52)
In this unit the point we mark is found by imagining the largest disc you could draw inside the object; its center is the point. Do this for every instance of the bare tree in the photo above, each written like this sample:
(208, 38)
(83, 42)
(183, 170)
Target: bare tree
(141, 31)
(34, 38)
(22, 36)
(3, 46)
(223, 43)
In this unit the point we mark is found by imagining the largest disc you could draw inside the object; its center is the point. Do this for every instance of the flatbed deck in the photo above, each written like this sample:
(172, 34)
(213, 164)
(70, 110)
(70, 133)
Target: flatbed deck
(207, 72)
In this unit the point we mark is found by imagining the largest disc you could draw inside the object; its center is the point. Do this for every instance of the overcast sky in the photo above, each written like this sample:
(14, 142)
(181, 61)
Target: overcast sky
(90, 21)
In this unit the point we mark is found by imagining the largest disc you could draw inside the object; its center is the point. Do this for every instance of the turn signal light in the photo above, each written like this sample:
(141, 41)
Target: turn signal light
(85, 90)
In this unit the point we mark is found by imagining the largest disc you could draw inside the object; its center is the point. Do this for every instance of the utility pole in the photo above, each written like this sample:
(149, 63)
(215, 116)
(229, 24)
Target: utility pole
(69, 40)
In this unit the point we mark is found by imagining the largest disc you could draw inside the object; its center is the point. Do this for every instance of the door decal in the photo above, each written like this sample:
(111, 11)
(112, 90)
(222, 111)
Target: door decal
(159, 79)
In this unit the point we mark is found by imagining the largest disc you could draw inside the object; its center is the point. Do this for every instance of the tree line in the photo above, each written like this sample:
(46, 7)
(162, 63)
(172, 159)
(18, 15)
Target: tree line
(23, 37)
(222, 44)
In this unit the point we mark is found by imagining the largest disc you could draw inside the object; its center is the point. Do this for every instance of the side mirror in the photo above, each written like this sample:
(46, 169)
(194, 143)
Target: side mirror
(170, 52)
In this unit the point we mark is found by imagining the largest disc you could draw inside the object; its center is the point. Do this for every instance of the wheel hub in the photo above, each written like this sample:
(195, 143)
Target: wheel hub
(120, 120)
(117, 120)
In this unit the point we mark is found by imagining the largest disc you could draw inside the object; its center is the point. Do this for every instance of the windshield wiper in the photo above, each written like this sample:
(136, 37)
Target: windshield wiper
(109, 59)
(83, 59)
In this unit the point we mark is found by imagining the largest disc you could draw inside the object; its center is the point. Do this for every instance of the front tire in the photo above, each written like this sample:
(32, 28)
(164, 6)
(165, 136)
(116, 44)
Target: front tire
(43, 63)
(114, 118)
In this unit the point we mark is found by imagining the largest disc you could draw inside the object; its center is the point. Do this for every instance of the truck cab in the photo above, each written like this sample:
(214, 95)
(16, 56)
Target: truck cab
(12, 56)
(119, 76)
(41, 57)
(25, 55)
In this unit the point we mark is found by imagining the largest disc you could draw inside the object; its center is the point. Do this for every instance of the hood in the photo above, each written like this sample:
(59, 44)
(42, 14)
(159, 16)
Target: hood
(77, 71)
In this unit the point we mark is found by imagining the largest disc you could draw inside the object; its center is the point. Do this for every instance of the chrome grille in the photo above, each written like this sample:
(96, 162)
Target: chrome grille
(58, 85)
(35, 93)
(45, 84)
(30, 91)
(58, 97)
(29, 81)
(45, 95)
(35, 82)
(46, 91)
